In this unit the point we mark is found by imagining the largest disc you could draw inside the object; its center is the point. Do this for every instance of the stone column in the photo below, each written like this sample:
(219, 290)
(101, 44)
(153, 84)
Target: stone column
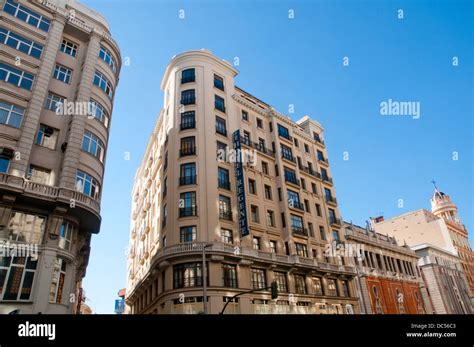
(74, 139)
(38, 95)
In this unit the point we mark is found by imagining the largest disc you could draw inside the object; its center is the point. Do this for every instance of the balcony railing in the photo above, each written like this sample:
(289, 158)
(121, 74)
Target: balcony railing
(225, 215)
(323, 160)
(335, 221)
(187, 180)
(327, 179)
(188, 124)
(263, 149)
(221, 131)
(284, 135)
(291, 179)
(299, 230)
(188, 79)
(289, 157)
(224, 184)
(188, 101)
(296, 204)
(188, 211)
(318, 140)
(187, 151)
(331, 200)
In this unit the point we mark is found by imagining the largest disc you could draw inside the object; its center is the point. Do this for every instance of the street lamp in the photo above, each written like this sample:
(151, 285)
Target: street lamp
(204, 276)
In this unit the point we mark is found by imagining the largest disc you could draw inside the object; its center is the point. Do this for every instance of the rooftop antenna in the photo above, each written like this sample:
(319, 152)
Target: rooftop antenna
(434, 184)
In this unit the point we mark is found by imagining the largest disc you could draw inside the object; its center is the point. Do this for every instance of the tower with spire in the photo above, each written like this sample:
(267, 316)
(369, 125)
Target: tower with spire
(442, 206)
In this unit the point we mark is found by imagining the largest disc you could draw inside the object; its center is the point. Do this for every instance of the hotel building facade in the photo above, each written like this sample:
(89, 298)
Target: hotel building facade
(266, 218)
(59, 69)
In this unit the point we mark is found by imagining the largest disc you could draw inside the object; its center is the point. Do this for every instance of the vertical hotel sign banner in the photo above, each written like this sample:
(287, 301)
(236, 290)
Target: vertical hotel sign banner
(240, 184)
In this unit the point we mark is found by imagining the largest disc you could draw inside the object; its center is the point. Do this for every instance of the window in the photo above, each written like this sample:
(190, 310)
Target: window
(306, 206)
(93, 145)
(223, 178)
(38, 174)
(187, 275)
(287, 153)
(254, 214)
(280, 279)
(229, 275)
(320, 155)
(188, 146)
(188, 174)
(16, 77)
(106, 56)
(322, 233)
(187, 204)
(306, 148)
(252, 186)
(273, 247)
(11, 115)
(62, 74)
(86, 184)
(279, 193)
(345, 288)
(69, 48)
(259, 123)
(283, 220)
(311, 229)
(332, 216)
(54, 103)
(26, 15)
(256, 243)
(220, 126)
(65, 236)
(301, 250)
(221, 151)
(324, 174)
(6, 154)
(328, 194)
(163, 223)
(218, 82)
(300, 284)
(261, 145)
(99, 113)
(293, 199)
(265, 168)
(188, 120)
(268, 192)
(303, 184)
(47, 137)
(246, 138)
(225, 210)
(271, 218)
(226, 236)
(57, 282)
(13, 40)
(296, 142)
(332, 289)
(318, 210)
(24, 227)
(258, 278)
(16, 277)
(335, 235)
(187, 234)
(290, 176)
(219, 103)
(313, 188)
(188, 75)
(165, 187)
(103, 83)
(188, 97)
(245, 115)
(297, 225)
(317, 286)
(283, 132)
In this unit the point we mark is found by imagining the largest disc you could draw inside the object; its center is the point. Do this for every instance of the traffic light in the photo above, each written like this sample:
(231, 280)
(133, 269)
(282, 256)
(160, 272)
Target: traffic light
(274, 290)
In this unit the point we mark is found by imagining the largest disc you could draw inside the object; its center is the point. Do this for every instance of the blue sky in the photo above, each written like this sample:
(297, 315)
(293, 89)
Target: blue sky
(300, 62)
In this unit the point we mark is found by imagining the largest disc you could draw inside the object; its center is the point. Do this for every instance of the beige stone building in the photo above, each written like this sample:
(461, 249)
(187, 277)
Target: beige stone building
(266, 220)
(59, 68)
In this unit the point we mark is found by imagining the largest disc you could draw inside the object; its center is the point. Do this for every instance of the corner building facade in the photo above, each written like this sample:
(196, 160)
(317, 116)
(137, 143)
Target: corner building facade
(185, 198)
(58, 72)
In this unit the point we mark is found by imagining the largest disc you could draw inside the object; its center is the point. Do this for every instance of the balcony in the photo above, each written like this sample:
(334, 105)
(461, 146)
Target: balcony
(331, 200)
(309, 171)
(224, 184)
(288, 157)
(327, 179)
(296, 204)
(318, 140)
(225, 215)
(299, 231)
(188, 211)
(285, 136)
(335, 221)
(187, 151)
(187, 180)
(291, 179)
(323, 161)
(259, 147)
(188, 124)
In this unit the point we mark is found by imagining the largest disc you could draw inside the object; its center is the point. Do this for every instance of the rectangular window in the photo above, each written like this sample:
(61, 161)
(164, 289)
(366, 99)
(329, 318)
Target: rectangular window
(187, 205)
(271, 218)
(273, 247)
(332, 289)
(54, 102)
(6, 155)
(317, 286)
(265, 168)
(188, 120)
(187, 233)
(254, 214)
(220, 126)
(99, 112)
(39, 175)
(297, 225)
(245, 115)
(324, 174)
(11, 115)
(188, 146)
(294, 199)
(16, 77)
(258, 278)
(69, 48)
(188, 97)
(300, 284)
(256, 243)
(188, 75)
(318, 210)
(16, 278)
(280, 279)
(290, 176)
(229, 275)
(259, 123)
(87, 184)
(335, 235)
(306, 148)
(26, 15)
(187, 275)
(287, 153)
(218, 82)
(306, 206)
(106, 56)
(252, 186)
(283, 132)
(226, 236)
(296, 142)
(62, 74)
(57, 282)
(93, 145)
(332, 216)
(103, 83)
(345, 288)
(268, 192)
(47, 137)
(301, 250)
(65, 236)
(18, 42)
(223, 178)
(322, 233)
(219, 103)
(225, 210)
(313, 188)
(187, 174)
(24, 227)
(221, 152)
